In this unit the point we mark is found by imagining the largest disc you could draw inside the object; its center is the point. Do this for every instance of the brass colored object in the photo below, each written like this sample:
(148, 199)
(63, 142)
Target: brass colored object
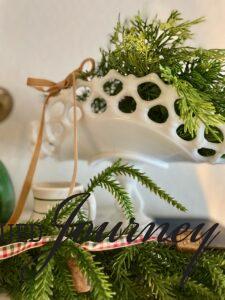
(6, 104)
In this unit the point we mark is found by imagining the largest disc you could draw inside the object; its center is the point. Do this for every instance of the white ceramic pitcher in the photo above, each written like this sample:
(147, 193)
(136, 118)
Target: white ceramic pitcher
(49, 194)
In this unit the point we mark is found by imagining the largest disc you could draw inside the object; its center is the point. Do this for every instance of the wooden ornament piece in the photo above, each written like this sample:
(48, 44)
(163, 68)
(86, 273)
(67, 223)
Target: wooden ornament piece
(187, 245)
(79, 280)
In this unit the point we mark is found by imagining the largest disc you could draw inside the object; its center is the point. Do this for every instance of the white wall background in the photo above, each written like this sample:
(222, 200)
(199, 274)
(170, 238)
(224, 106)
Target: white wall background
(48, 38)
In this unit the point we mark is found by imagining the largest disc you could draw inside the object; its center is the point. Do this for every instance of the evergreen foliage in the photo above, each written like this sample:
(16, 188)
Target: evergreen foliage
(140, 46)
(146, 271)
(150, 270)
(41, 286)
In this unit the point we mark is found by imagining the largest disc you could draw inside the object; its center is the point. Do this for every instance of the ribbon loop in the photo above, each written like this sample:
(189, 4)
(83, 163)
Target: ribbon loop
(52, 89)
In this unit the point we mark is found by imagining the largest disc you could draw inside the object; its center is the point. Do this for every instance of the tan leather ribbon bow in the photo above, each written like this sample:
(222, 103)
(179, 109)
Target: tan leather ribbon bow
(52, 89)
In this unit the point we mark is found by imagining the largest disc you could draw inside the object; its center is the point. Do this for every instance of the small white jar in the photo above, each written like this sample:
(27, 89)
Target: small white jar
(49, 194)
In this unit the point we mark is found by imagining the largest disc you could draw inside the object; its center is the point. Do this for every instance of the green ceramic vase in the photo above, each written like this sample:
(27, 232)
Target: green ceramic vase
(7, 194)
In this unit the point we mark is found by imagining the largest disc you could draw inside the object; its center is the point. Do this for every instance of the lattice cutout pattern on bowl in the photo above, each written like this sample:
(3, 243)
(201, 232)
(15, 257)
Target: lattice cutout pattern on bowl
(120, 99)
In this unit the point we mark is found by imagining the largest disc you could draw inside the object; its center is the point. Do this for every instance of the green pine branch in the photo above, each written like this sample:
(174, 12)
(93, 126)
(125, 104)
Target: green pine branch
(158, 282)
(121, 274)
(194, 106)
(146, 271)
(65, 290)
(106, 180)
(116, 190)
(192, 290)
(101, 288)
(140, 46)
(41, 286)
(127, 170)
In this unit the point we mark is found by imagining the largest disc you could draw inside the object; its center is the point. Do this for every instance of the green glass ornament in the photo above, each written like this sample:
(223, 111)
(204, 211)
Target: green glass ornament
(7, 195)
